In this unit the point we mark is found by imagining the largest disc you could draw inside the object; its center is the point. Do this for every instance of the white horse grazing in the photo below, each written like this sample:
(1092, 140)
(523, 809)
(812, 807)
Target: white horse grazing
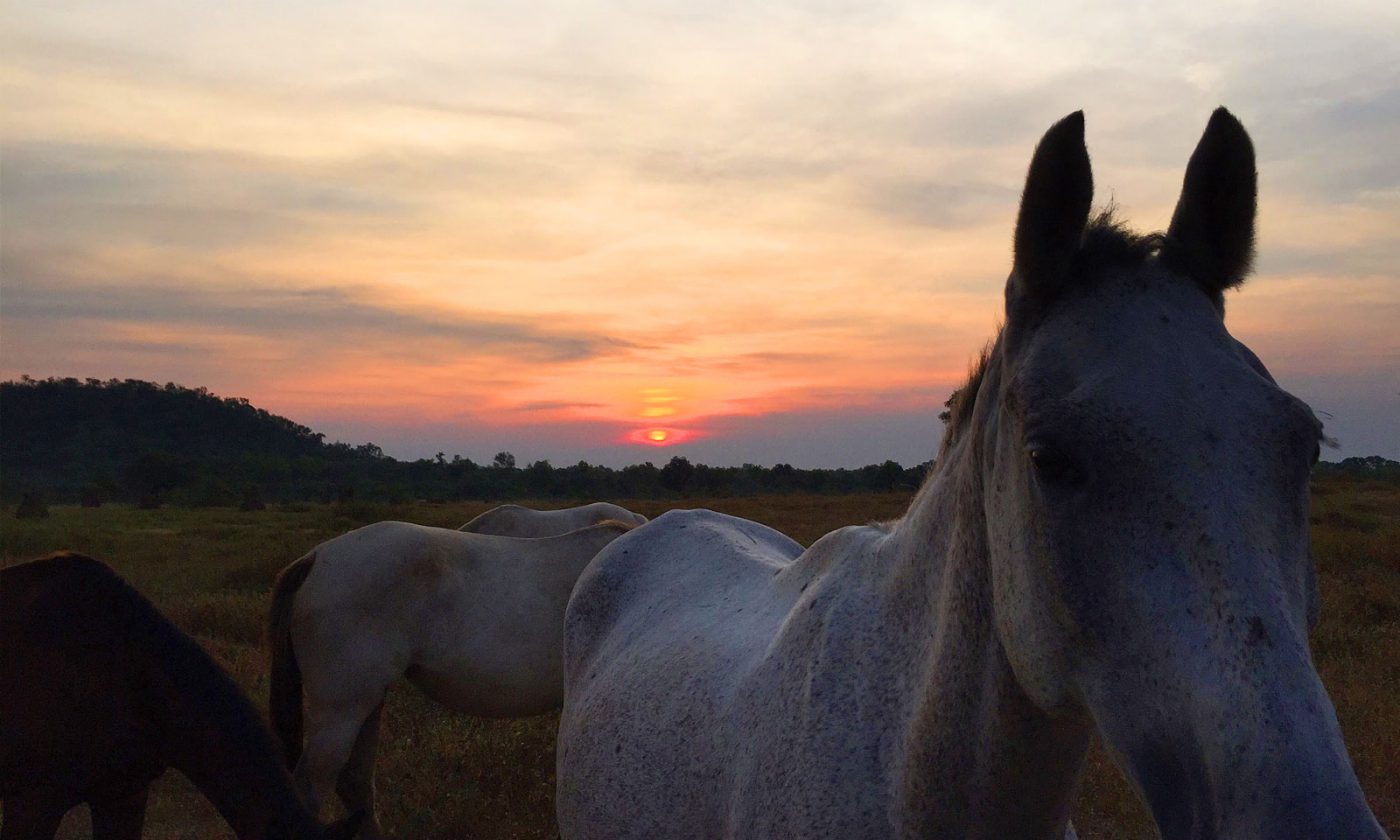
(1115, 538)
(518, 521)
(475, 621)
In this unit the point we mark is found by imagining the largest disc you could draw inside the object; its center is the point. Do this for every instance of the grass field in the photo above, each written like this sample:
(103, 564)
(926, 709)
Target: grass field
(449, 776)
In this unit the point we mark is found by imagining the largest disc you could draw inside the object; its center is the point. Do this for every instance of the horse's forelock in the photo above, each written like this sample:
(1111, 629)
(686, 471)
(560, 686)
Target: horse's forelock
(1107, 244)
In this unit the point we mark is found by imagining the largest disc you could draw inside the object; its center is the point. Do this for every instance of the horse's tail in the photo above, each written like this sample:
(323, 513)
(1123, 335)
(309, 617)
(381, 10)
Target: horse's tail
(284, 684)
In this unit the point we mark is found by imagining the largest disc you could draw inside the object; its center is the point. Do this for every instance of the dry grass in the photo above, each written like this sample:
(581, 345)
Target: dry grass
(449, 776)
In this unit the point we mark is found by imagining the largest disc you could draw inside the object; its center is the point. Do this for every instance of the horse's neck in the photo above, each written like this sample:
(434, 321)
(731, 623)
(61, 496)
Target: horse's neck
(242, 776)
(979, 759)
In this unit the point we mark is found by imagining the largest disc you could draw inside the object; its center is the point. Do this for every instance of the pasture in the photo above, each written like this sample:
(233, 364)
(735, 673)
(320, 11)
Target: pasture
(449, 776)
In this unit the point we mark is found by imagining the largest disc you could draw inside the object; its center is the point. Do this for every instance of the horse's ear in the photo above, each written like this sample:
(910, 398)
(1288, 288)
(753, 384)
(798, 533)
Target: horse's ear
(1054, 211)
(1212, 231)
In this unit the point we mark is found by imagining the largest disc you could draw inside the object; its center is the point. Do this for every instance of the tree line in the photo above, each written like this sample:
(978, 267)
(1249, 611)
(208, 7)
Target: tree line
(66, 440)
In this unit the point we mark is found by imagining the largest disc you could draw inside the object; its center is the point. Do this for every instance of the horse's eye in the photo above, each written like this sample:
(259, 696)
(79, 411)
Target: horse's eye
(1054, 467)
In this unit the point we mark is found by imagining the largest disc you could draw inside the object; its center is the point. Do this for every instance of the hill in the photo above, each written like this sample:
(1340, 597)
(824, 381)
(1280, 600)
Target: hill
(125, 438)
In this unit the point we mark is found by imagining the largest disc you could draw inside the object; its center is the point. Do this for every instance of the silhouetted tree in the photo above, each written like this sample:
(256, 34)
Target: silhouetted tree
(539, 478)
(885, 477)
(503, 460)
(677, 473)
(370, 450)
(640, 480)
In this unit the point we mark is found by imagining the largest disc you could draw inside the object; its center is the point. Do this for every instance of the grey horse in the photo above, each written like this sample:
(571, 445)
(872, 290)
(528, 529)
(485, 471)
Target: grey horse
(1114, 538)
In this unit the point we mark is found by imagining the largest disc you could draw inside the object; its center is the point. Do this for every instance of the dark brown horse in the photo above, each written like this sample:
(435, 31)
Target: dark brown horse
(100, 693)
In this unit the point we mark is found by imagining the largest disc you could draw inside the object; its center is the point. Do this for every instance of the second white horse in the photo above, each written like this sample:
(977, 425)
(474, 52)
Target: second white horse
(475, 621)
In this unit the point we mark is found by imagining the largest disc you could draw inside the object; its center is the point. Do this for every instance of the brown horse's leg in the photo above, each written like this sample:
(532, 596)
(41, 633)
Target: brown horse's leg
(31, 816)
(356, 783)
(119, 817)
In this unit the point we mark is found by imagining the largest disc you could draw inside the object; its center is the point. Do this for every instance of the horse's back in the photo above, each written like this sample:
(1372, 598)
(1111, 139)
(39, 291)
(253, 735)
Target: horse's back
(519, 521)
(682, 563)
(377, 578)
(502, 519)
(378, 565)
(375, 561)
(63, 603)
(69, 678)
(33, 591)
(660, 631)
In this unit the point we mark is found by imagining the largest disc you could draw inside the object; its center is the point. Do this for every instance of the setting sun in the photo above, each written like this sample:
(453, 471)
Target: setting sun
(653, 436)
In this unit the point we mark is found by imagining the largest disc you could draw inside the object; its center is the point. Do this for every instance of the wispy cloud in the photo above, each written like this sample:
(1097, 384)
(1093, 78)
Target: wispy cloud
(304, 318)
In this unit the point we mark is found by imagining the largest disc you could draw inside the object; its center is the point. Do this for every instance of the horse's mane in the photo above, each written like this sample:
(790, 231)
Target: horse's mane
(98, 603)
(960, 414)
(1107, 244)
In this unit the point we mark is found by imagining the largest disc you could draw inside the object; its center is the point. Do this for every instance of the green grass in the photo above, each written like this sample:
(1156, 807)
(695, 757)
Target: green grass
(443, 775)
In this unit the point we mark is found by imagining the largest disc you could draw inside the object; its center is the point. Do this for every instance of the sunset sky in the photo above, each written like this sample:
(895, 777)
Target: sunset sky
(762, 232)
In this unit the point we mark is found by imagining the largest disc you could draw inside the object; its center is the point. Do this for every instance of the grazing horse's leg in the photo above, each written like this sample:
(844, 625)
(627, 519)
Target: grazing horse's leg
(327, 748)
(32, 816)
(356, 785)
(120, 817)
(331, 734)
